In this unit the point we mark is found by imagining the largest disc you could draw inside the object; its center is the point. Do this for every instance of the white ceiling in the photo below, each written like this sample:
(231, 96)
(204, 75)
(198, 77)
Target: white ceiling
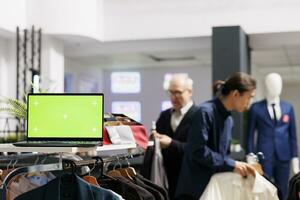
(273, 50)
(276, 50)
(141, 53)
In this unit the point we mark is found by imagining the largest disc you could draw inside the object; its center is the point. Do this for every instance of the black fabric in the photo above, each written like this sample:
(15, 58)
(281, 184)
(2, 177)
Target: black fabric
(296, 190)
(294, 187)
(157, 195)
(120, 188)
(274, 113)
(147, 162)
(126, 189)
(173, 155)
(67, 187)
(162, 190)
(221, 108)
(185, 197)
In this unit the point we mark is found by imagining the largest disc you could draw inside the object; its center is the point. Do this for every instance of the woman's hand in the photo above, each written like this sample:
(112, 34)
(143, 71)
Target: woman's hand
(244, 169)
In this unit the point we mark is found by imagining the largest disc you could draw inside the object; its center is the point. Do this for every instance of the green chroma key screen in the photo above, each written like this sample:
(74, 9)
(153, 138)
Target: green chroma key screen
(65, 116)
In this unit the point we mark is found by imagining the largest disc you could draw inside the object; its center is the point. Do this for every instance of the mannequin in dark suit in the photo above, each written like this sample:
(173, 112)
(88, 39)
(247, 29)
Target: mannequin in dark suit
(274, 121)
(173, 126)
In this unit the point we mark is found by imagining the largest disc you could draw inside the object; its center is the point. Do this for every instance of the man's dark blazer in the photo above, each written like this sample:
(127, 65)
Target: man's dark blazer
(279, 138)
(173, 155)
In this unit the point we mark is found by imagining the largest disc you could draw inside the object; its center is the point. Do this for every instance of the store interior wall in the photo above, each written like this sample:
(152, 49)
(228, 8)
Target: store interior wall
(152, 93)
(270, 53)
(290, 93)
(7, 67)
(80, 76)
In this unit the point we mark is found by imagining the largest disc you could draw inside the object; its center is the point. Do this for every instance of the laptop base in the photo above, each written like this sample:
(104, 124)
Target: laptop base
(56, 144)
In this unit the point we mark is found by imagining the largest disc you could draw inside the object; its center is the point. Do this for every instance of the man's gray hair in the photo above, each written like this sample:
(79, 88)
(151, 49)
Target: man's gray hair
(180, 77)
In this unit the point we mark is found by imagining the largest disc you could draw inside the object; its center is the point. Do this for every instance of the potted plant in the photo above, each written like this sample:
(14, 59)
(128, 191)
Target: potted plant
(18, 110)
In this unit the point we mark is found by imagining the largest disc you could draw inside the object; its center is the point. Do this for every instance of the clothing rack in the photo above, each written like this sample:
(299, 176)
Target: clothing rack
(123, 157)
(98, 163)
(20, 160)
(14, 161)
(27, 169)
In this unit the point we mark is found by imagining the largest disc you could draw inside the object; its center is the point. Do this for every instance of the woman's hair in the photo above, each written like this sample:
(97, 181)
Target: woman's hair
(238, 81)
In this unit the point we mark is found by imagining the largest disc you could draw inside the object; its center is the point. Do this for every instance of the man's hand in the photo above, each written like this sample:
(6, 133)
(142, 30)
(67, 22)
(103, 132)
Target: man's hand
(164, 140)
(244, 169)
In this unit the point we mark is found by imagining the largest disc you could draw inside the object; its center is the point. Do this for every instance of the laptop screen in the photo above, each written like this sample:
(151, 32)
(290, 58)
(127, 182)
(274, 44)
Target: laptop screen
(65, 117)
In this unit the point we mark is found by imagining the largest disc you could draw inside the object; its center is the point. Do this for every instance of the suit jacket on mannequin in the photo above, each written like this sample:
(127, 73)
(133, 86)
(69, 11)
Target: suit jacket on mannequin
(173, 155)
(279, 138)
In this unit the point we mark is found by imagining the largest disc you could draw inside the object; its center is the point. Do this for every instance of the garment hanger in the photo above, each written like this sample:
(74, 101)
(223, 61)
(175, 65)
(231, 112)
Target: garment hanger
(117, 172)
(91, 179)
(130, 170)
(69, 165)
(26, 170)
(6, 171)
(35, 163)
(97, 169)
(108, 176)
(123, 171)
(114, 172)
(45, 174)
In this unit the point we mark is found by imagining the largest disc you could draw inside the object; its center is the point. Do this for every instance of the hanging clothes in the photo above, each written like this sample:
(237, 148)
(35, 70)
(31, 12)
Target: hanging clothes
(162, 190)
(68, 187)
(294, 188)
(26, 182)
(153, 165)
(127, 189)
(229, 185)
(157, 195)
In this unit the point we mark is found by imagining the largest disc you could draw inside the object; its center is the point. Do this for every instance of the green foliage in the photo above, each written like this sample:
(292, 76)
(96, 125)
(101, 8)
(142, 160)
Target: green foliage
(13, 107)
(16, 107)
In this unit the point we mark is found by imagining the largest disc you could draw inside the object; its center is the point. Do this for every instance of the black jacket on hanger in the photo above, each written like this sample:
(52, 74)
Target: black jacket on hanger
(157, 195)
(151, 184)
(126, 188)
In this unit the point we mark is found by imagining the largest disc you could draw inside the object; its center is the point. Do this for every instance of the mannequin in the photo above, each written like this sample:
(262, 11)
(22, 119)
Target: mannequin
(274, 122)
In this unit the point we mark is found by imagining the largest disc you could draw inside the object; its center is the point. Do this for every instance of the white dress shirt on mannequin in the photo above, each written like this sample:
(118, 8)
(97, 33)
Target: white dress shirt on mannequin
(277, 108)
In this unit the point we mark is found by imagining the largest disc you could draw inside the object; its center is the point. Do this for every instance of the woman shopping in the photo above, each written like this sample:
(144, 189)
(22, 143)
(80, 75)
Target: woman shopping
(207, 147)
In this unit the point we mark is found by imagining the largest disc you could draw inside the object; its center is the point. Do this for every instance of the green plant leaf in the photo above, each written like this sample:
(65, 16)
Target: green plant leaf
(13, 107)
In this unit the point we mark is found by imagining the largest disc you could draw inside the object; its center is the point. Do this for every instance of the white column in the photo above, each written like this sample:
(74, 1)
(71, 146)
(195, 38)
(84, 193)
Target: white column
(7, 68)
(52, 68)
(7, 76)
(3, 69)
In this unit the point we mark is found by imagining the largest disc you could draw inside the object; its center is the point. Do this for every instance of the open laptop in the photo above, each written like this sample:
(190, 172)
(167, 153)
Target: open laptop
(64, 120)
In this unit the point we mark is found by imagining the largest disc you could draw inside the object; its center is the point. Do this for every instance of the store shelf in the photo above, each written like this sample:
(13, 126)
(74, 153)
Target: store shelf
(111, 147)
(8, 147)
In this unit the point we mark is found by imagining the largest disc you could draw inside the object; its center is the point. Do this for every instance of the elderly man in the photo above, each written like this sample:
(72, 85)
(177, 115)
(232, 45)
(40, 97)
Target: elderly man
(173, 125)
